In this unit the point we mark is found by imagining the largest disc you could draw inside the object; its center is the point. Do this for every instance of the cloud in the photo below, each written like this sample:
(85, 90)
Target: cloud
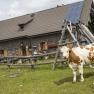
(70, 1)
(0, 12)
(2, 15)
(20, 7)
(16, 9)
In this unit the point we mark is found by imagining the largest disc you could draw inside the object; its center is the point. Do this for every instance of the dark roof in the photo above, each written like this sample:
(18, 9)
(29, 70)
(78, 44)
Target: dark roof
(42, 22)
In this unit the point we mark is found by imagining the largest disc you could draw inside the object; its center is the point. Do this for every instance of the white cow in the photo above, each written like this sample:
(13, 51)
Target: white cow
(77, 57)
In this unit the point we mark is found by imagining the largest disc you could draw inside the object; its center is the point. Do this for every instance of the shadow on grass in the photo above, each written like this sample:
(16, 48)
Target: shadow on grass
(69, 79)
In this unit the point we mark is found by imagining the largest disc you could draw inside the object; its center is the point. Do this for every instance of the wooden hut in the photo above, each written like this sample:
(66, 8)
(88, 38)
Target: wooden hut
(19, 35)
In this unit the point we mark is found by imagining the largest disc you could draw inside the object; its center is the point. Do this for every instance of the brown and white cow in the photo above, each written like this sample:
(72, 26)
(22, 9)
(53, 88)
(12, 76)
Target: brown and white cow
(77, 57)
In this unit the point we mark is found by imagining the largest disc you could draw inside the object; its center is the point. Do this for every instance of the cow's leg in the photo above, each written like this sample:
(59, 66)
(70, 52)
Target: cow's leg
(81, 72)
(74, 71)
(74, 76)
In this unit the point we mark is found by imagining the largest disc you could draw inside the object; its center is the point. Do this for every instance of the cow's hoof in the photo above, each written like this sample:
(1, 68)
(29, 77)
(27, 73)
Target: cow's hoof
(82, 80)
(74, 82)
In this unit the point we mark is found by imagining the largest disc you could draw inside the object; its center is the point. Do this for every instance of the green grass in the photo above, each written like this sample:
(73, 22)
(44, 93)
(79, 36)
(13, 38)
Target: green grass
(43, 80)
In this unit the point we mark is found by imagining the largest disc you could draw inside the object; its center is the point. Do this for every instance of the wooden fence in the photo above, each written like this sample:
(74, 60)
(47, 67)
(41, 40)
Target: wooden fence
(10, 60)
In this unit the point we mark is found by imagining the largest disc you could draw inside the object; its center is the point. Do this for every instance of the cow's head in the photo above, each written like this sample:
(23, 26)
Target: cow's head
(65, 51)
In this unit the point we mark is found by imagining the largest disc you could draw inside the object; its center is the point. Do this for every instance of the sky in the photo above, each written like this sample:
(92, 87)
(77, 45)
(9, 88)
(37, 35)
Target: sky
(14, 8)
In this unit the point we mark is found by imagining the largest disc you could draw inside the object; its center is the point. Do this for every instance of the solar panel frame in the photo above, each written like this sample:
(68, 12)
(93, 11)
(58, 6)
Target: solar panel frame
(74, 12)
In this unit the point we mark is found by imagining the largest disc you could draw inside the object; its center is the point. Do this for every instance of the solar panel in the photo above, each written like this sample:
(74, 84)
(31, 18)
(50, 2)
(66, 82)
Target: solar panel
(74, 12)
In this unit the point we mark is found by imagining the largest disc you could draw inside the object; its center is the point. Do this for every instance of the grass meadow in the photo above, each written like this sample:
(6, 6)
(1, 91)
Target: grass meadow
(42, 80)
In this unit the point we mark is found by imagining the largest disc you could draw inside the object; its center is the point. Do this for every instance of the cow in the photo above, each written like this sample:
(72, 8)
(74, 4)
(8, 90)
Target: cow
(77, 57)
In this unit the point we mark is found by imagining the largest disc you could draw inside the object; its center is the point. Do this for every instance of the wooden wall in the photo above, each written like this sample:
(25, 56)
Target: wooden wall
(13, 47)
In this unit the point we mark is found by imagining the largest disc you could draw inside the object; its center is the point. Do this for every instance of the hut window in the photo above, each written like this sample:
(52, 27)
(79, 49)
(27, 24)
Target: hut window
(43, 46)
(23, 25)
(23, 49)
(52, 45)
(1, 52)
